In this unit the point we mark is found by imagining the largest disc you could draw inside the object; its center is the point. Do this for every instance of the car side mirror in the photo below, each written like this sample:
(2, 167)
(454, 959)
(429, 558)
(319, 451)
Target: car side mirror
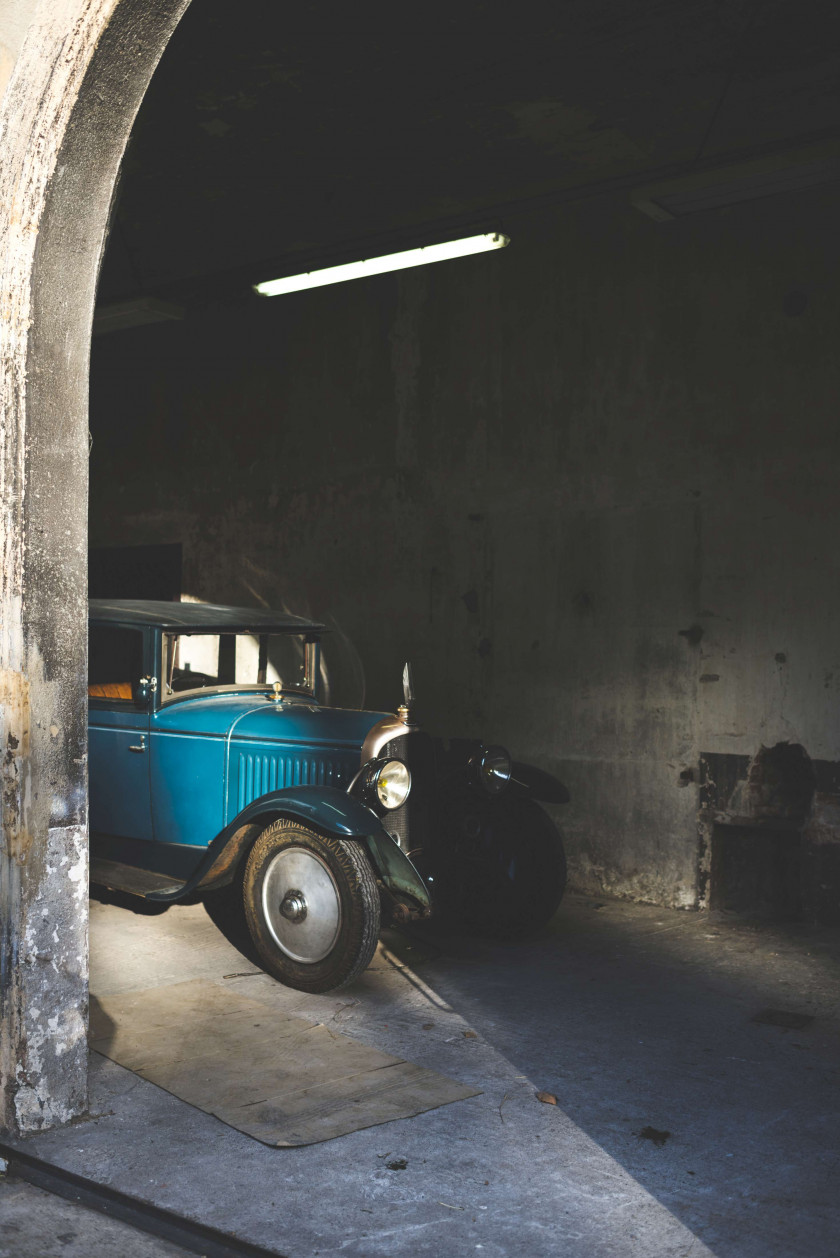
(144, 690)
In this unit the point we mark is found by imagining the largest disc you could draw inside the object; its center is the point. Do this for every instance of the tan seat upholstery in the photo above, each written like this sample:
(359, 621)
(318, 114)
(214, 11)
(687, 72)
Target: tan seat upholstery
(110, 690)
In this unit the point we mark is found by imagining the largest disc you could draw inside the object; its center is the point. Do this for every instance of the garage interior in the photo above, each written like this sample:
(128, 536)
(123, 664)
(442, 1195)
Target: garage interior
(586, 485)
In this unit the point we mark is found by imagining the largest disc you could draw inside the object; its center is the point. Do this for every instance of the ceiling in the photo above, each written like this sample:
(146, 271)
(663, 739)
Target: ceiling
(268, 136)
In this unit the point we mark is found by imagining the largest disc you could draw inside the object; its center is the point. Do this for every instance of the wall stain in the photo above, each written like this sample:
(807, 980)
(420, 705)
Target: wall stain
(15, 705)
(692, 635)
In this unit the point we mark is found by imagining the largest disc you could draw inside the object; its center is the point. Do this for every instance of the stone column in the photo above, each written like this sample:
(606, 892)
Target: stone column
(65, 118)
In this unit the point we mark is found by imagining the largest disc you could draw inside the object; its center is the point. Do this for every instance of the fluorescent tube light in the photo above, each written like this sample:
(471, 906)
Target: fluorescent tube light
(812, 166)
(378, 266)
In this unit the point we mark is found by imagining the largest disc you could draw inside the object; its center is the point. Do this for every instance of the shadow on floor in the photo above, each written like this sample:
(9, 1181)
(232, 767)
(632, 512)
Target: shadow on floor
(122, 899)
(699, 1051)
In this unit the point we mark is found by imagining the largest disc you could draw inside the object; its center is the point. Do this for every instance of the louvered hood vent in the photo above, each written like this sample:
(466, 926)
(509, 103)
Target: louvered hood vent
(261, 772)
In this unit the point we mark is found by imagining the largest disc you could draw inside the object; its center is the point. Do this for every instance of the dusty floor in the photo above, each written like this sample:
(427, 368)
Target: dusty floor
(36, 1224)
(683, 1126)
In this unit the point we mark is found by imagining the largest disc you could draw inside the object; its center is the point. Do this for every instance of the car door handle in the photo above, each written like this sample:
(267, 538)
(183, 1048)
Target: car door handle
(142, 746)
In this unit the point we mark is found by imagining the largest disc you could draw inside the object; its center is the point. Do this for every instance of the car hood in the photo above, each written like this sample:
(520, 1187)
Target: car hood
(253, 716)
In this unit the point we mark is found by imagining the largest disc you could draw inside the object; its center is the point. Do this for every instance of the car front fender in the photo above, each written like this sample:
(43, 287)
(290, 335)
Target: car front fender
(527, 779)
(324, 808)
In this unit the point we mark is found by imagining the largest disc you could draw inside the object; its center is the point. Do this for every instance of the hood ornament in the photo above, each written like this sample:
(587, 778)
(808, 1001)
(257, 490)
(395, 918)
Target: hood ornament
(406, 708)
(392, 727)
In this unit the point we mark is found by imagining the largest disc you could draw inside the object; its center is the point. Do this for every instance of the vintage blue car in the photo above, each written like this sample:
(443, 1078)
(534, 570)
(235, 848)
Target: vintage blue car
(215, 772)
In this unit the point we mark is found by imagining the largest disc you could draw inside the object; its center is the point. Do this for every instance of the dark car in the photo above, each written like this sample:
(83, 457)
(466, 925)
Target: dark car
(216, 772)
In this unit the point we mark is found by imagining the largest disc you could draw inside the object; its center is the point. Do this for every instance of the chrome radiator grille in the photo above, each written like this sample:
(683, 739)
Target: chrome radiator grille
(410, 824)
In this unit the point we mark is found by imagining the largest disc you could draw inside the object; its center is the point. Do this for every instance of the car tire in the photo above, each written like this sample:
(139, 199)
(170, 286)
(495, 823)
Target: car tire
(312, 906)
(511, 876)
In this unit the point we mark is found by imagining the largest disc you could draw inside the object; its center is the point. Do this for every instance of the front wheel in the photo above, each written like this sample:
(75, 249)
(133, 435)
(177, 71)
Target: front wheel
(312, 907)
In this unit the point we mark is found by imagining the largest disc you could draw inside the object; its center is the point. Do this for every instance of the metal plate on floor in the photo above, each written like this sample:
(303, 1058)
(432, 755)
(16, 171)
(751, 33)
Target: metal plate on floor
(277, 1078)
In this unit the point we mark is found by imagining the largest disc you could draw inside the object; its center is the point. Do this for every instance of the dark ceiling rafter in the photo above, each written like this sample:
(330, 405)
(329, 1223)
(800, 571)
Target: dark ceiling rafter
(759, 9)
(235, 283)
(300, 140)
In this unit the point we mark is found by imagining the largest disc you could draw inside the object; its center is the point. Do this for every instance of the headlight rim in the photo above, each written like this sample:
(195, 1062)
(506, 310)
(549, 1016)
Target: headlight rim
(495, 783)
(373, 776)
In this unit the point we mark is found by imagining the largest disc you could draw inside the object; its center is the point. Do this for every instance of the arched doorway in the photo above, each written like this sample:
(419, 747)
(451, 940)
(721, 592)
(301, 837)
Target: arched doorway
(65, 118)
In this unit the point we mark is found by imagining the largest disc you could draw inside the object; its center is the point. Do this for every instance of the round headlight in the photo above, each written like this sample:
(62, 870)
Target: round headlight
(494, 769)
(393, 782)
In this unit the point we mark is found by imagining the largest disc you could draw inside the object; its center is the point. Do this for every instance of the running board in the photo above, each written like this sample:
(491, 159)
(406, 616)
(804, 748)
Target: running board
(141, 882)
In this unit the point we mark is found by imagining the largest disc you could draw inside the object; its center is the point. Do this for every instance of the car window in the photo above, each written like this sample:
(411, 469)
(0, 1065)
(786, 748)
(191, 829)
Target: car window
(115, 663)
(200, 661)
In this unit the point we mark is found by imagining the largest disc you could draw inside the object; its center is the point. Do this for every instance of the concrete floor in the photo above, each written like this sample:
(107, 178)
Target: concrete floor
(634, 1017)
(36, 1224)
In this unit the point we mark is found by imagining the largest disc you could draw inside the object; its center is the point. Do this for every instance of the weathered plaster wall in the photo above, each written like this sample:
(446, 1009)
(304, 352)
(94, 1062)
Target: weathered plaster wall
(587, 485)
(66, 113)
(15, 17)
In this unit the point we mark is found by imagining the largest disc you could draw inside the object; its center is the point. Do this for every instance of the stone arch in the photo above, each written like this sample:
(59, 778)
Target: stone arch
(65, 118)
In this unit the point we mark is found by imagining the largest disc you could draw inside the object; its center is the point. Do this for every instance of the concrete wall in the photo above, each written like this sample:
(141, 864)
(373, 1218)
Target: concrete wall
(588, 485)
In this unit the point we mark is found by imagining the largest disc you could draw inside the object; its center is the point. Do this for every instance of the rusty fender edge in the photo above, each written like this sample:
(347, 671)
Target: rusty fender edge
(327, 809)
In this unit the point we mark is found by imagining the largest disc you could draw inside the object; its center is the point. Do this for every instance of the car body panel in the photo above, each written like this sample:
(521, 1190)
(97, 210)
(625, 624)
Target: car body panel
(327, 809)
(172, 860)
(212, 755)
(187, 786)
(194, 867)
(120, 789)
(395, 868)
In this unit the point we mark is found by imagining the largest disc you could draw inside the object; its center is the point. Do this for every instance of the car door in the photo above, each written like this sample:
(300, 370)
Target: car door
(118, 733)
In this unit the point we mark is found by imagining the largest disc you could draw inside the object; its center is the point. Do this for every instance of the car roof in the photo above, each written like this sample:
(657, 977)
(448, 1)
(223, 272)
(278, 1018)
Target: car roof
(193, 617)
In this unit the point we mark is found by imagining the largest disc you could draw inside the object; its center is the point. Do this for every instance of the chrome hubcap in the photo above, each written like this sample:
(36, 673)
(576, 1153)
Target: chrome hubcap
(301, 905)
(293, 907)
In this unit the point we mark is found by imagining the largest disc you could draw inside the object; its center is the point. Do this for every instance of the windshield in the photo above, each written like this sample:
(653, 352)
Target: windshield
(235, 661)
